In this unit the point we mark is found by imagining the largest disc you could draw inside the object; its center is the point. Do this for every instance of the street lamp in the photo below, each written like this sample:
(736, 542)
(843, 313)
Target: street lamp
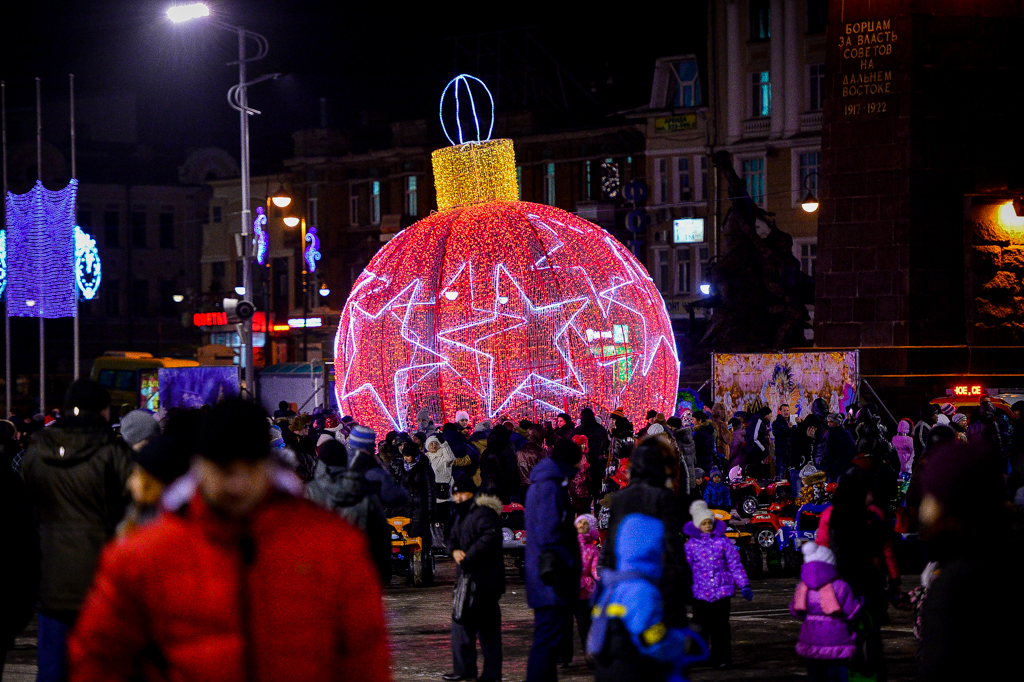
(178, 298)
(281, 199)
(238, 99)
(810, 202)
(291, 221)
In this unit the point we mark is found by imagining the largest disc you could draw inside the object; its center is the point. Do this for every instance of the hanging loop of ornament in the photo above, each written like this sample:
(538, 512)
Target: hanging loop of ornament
(464, 80)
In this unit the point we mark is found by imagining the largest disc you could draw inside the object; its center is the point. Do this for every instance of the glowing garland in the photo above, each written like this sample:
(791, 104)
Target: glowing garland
(88, 272)
(3, 262)
(312, 253)
(262, 238)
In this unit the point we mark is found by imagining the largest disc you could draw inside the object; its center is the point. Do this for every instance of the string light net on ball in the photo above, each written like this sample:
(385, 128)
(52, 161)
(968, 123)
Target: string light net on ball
(502, 308)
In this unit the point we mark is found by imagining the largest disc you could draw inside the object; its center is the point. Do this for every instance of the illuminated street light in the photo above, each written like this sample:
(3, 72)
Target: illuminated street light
(281, 198)
(705, 289)
(180, 13)
(810, 203)
(178, 298)
(324, 290)
(240, 291)
(291, 221)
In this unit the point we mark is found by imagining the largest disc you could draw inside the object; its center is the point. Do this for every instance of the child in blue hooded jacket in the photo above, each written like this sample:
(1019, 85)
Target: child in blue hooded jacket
(628, 639)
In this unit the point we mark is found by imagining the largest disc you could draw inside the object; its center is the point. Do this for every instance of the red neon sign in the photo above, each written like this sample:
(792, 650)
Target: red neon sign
(968, 390)
(217, 319)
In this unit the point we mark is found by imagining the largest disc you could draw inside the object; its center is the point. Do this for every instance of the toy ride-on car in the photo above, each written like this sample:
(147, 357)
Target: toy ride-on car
(407, 555)
(513, 535)
(793, 534)
(765, 525)
(748, 493)
(750, 553)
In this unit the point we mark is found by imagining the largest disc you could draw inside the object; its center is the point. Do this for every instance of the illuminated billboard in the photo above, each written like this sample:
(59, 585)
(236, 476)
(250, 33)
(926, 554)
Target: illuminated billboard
(688, 231)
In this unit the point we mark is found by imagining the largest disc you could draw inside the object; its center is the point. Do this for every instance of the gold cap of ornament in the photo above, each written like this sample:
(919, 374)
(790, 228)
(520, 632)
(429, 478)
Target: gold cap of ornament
(472, 171)
(475, 173)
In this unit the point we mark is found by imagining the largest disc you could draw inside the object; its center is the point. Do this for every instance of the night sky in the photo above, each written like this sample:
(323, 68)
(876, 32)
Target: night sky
(370, 60)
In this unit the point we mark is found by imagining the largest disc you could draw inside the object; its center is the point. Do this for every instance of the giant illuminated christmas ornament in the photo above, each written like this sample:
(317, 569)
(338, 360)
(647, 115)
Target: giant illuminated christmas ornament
(88, 270)
(500, 307)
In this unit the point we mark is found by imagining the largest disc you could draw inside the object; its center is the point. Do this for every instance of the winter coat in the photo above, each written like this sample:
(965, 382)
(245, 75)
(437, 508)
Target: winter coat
(723, 439)
(351, 496)
(597, 450)
(819, 408)
(441, 462)
(499, 472)
(631, 637)
(579, 490)
(718, 495)
(477, 532)
(780, 430)
(715, 563)
(620, 449)
(395, 498)
(704, 439)
(826, 605)
(904, 445)
(527, 458)
(552, 550)
(921, 431)
(291, 595)
(75, 474)
(590, 553)
(757, 441)
(737, 457)
(647, 495)
(687, 458)
(419, 483)
(840, 449)
(19, 565)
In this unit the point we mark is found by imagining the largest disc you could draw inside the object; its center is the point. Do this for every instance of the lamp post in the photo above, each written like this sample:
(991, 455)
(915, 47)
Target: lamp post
(810, 202)
(239, 100)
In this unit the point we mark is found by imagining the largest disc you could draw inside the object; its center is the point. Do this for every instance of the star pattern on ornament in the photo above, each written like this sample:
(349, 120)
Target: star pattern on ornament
(409, 360)
(478, 342)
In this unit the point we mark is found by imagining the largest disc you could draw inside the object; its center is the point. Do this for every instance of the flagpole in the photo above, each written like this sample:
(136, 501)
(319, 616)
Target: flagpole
(42, 321)
(74, 215)
(7, 308)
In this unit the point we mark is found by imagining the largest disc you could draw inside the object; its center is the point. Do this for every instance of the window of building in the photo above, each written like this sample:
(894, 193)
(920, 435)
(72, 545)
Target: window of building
(760, 20)
(611, 180)
(683, 270)
(140, 298)
(661, 270)
(166, 230)
(754, 177)
(218, 271)
(663, 179)
(549, 184)
(686, 84)
(410, 196)
(218, 214)
(817, 16)
(815, 86)
(85, 219)
(588, 180)
(761, 94)
(353, 204)
(312, 206)
(808, 258)
(112, 297)
(138, 229)
(683, 179)
(809, 168)
(375, 202)
(112, 229)
(702, 178)
(703, 261)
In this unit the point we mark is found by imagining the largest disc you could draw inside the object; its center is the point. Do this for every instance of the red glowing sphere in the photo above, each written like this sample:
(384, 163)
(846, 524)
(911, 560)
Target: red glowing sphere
(504, 309)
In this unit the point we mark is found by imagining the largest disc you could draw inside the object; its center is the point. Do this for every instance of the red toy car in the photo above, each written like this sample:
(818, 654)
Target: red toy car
(765, 524)
(748, 493)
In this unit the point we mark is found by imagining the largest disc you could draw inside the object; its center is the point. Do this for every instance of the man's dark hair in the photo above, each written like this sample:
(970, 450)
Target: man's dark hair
(587, 416)
(235, 430)
(700, 416)
(87, 396)
(525, 424)
(651, 414)
(566, 452)
(675, 422)
(283, 405)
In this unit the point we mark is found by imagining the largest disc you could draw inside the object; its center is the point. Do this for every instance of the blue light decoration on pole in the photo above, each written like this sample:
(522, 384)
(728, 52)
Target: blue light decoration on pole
(313, 250)
(3, 262)
(88, 272)
(261, 235)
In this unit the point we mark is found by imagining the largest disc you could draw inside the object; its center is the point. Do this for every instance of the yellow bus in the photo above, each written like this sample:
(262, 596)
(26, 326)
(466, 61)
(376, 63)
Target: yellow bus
(131, 378)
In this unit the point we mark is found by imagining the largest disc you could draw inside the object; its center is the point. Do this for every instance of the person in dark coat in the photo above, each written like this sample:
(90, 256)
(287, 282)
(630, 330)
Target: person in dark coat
(418, 480)
(499, 467)
(840, 448)
(564, 426)
(476, 546)
(929, 417)
(647, 493)
(552, 557)
(757, 444)
(971, 617)
(780, 431)
(704, 437)
(528, 456)
(597, 447)
(19, 567)
(75, 473)
(819, 409)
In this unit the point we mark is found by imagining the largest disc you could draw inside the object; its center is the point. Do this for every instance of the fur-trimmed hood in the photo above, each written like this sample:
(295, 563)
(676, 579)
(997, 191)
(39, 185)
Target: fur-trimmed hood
(489, 501)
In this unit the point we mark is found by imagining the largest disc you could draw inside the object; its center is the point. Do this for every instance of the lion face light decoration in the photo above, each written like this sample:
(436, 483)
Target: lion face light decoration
(500, 307)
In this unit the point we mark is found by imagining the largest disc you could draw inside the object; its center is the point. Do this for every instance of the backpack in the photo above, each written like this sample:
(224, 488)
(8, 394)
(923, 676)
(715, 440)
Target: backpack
(604, 611)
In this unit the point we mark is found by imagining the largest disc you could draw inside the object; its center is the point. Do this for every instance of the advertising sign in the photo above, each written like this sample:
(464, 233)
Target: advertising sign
(688, 230)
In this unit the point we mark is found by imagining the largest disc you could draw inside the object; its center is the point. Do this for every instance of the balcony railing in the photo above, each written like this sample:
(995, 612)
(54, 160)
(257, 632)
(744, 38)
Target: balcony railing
(810, 121)
(756, 127)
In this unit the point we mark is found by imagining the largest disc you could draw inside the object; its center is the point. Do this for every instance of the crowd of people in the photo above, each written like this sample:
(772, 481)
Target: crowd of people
(222, 542)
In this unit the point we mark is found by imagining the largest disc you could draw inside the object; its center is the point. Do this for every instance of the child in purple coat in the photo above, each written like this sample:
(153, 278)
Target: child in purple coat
(717, 574)
(826, 605)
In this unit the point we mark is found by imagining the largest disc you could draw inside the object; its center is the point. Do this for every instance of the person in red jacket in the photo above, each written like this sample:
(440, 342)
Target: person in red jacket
(240, 579)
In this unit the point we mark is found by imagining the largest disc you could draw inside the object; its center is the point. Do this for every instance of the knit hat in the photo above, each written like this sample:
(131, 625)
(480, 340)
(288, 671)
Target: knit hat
(699, 512)
(332, 423)
(904, 427)
(435, 439)
(484, 425)
(163, 458)
(654, 429)
(461, 415)
(942, 420)
(580, 440)
(948, 409)
(618, 412)
(138, 426)
(836, 418)
(362, 438)
(715, 471)
(959, 418)
(276, 437)
(462, 482)
(332, 453)
(808, 470)
(812, 551)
